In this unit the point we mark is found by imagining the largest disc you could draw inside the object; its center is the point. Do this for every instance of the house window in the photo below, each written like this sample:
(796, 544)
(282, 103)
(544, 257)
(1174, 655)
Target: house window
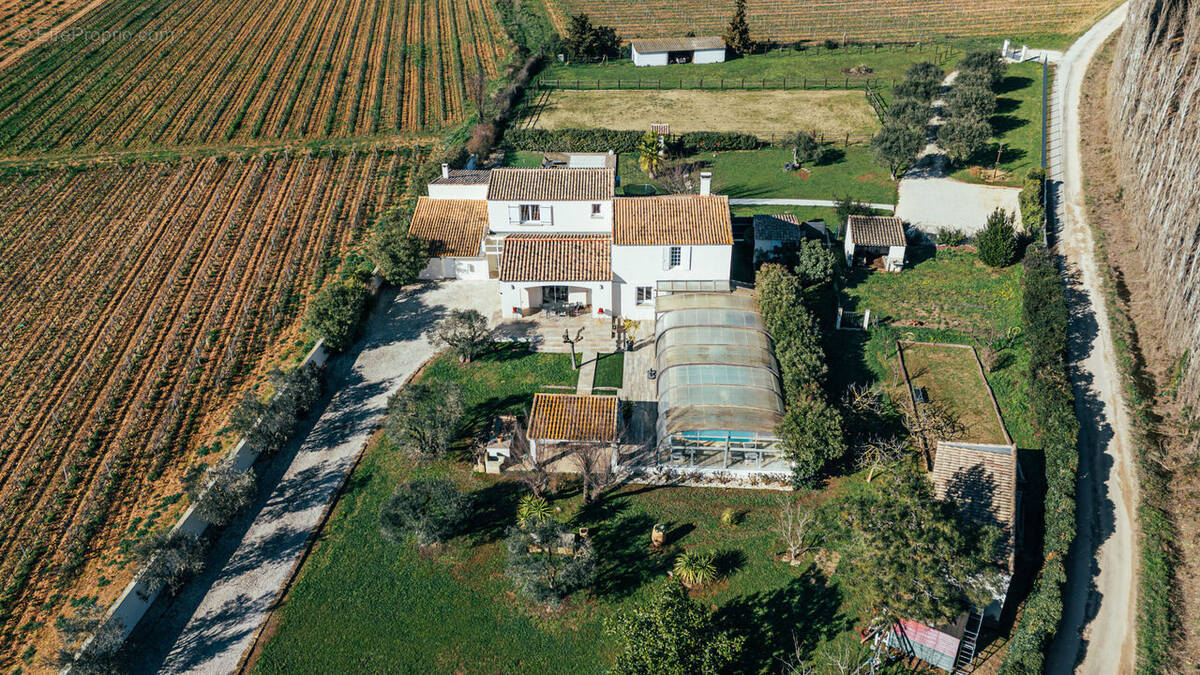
(531, 213)
(645, 294)
(555, 294)
(676, 256)
(595, 210)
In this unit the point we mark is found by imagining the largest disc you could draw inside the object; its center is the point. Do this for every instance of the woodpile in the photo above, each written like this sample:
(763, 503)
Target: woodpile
(1154, 100)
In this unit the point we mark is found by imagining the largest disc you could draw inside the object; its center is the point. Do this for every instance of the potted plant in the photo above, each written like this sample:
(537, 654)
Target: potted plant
(658, 535)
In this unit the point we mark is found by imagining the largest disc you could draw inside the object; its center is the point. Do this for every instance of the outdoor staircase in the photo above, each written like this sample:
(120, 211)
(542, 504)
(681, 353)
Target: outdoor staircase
(965, 661)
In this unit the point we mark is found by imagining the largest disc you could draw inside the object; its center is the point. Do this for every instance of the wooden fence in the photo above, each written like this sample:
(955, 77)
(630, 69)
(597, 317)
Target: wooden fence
(720, 83)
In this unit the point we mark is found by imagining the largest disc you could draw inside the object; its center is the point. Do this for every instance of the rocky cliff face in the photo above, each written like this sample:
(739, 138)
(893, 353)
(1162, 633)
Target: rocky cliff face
(1154, 104)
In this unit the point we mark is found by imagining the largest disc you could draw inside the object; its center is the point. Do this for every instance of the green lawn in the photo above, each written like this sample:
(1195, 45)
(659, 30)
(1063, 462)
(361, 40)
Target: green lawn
(751, 174)
(610, 370)
(948, 298)
(887, 62)
(364, 604)
(1018, 126)
(951, 374)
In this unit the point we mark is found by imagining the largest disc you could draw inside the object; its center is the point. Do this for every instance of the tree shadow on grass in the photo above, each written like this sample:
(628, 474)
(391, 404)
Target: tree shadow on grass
(494, 509)
(784, 621)
(1012, 83)
(622, 544)
(729, 561)
(831, 155)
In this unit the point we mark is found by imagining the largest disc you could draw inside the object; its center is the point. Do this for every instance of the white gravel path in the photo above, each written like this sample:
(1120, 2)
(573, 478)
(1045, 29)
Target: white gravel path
(221, 618)
(1098, 631)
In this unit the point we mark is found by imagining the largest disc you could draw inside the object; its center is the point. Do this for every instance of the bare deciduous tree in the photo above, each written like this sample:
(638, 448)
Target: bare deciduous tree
(676, 178)
(796, 527)
(935, 421)
(477, 92)
(595, 468)
(877, 453)
(535, 477)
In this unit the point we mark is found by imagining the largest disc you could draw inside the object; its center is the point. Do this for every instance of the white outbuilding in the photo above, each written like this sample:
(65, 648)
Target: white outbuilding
(664, 51)
(875, 241)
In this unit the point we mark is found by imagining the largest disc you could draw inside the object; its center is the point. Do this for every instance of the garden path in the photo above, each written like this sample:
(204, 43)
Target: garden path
(216, 619)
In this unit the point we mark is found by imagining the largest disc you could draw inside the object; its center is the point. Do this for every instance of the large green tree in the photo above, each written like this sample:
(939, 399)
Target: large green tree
(964, 136)
(587, 40)
(429, 509)
(335, 313)
(811, 437)
(737, 34)
(896, 146)
(671, 634)
(916, 556)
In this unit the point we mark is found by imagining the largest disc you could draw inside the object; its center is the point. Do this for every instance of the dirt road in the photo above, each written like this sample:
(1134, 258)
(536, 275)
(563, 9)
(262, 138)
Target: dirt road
(1097, 634)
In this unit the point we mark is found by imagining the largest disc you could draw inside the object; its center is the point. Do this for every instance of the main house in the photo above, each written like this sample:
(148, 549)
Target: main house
(559, 239)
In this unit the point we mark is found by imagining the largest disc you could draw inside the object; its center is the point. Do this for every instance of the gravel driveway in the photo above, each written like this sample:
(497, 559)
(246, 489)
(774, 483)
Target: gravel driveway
(208, 627)
(1098, 630)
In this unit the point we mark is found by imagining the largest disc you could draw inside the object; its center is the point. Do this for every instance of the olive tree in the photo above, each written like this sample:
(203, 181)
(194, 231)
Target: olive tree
(428, 509)
(423, 417)
(464, 331)
(896, 146)
(335, 313)
(547, 562)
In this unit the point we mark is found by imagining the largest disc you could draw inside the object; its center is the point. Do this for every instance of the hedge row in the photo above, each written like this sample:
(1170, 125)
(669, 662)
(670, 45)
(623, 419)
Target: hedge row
(1033, 212)
(603, 140)
(1045, 316)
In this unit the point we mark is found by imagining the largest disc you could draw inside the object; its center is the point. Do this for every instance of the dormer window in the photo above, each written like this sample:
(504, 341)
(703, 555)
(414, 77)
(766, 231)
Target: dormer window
(531, 213)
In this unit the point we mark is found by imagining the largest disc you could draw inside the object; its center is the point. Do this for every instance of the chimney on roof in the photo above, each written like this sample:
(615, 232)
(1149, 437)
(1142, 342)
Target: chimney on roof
(705, 183)
(445, 170)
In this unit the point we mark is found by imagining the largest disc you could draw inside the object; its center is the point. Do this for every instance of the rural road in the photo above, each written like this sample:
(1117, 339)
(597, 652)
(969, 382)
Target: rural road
(1098, 631)
(210, 625)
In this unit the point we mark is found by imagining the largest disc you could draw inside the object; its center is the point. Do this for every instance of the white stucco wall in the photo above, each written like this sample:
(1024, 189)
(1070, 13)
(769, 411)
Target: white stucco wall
(458, 191)
(635, 266)
(709, 56)
(525, 296)
(558, 217)
(473, 269)
(649, 59)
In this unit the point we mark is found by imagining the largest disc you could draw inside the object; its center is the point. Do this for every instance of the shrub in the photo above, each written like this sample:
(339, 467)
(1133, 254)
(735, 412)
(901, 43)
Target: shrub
(1045, 319)
(532, 510)
(168, 559)
(805, 149)
(1032, 209)
(423, 417)
(814, 263)
(695, 569)
(335, 313)
(266, 425)
(998, 241)
(585, 40)
(925, 72)
(671, 634)
(400, 256)
(227, 493)
(547, 562)
(694, 142)
(811, 436)
(573, 140)
(429, 509)
(950, 237)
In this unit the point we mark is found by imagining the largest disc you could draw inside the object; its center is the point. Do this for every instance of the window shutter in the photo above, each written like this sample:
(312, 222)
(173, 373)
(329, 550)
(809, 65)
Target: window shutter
(514, 214)
(666, 258)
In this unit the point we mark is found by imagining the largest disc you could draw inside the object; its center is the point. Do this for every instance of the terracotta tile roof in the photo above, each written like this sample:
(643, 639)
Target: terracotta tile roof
(981, 479)
(455, 226)
(556, 257)
(682, 44)
(572, 417)
(876, 230)
(464, 177)
(587, 185)
(688, 220)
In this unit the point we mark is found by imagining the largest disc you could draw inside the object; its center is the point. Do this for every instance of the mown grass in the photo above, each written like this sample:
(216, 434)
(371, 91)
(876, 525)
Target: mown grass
(364, 604)
(951, 375)
(610, 371)
(759, 174)
(886, 62)
(1017, 125)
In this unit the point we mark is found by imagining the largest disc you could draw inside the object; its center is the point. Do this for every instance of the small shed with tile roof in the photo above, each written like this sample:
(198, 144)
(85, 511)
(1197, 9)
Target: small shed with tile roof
(665, 51)
(875, 241)
(562, 421)
(455, 229)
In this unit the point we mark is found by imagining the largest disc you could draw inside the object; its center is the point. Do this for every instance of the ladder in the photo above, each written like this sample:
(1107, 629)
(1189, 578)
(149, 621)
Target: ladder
(965, 659)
